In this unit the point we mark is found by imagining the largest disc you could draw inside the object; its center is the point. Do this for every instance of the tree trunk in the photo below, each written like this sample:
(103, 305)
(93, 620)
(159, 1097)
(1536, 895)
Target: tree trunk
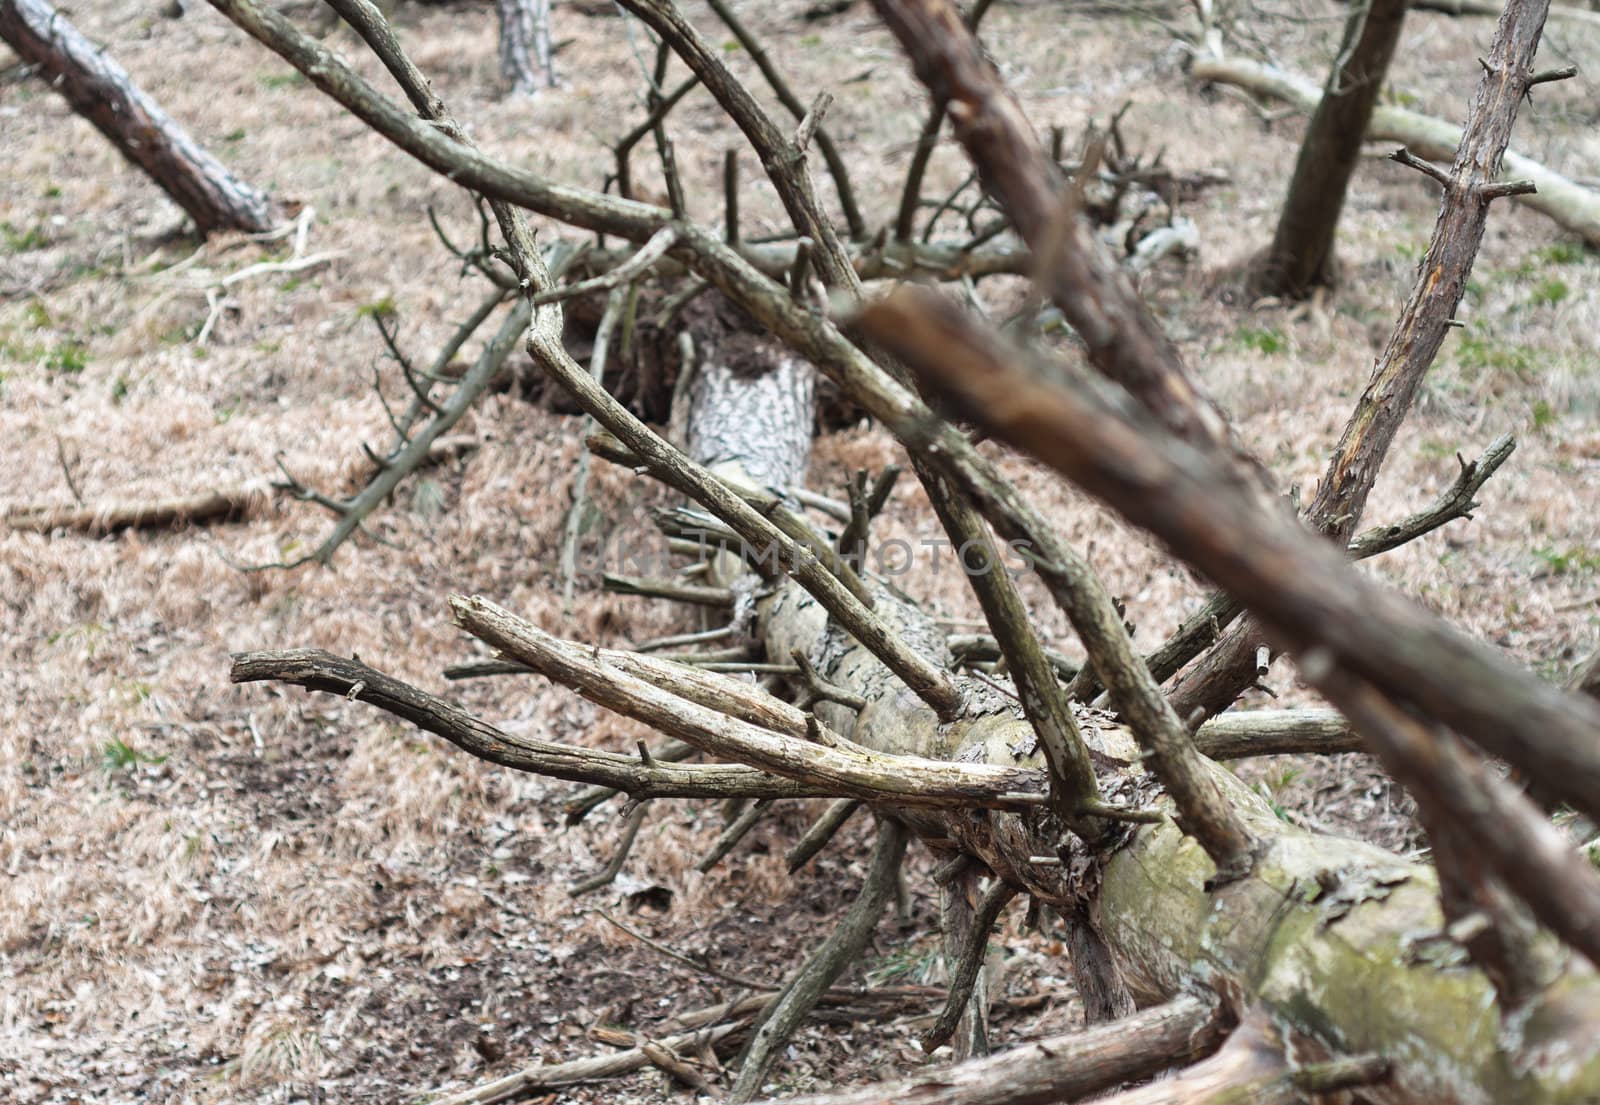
(1301, 255)
(101, 91)
(524, 44)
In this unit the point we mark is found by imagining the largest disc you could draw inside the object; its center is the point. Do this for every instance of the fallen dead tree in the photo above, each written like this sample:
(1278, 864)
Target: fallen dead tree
(1349, 966)
(102, 92)
(1569, 204)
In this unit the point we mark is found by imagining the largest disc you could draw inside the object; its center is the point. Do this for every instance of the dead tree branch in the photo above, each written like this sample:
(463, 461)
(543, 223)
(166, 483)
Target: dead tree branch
(1569, 204)
(1081, 278)
(1241, 733)
(922, 153)
(791, 102)
(1418, 334)
(782, 159)
(1069, 1067)
(964, 973)
(696, 706)
(415, 450)
(1304, 591)
(822, 831)
(317, 670)
(799, 995)
(160, 513)
(1205, 626)
(1504, 828)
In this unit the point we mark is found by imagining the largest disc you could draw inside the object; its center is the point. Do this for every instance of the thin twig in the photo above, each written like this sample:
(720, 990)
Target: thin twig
(965, 974)
(608, 874)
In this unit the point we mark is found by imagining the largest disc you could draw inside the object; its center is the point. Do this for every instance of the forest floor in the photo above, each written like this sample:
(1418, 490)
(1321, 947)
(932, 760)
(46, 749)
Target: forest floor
(242, 894)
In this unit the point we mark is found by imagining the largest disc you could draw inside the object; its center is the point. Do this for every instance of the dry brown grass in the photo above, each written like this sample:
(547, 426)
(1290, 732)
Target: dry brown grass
(281, 891)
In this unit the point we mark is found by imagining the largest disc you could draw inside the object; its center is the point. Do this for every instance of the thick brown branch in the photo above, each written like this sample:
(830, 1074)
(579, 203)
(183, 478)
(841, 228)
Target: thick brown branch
(1241, 733)
(1093, 293)
(1304, 590)
(1503, 827)
(1202, 629)
(1418, 334)
(1078, 590)
(180, 510)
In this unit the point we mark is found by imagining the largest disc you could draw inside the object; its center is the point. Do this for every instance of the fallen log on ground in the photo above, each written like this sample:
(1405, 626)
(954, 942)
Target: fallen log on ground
(168, 512)
(1571, 206)
(101, 91)
(162, 513)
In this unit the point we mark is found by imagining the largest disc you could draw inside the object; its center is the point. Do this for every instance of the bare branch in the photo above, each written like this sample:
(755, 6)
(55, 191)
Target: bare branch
(717, 597)
(821, 832)
(1074, 789)
(791, 103)
(1418, 334)
(1068, 1067)
(1503, 827)
(1093, 293)
(1241, 733)
(1205, 626)
(736, 831)
(1305, 592)
(686, 708)
(1202, 811)
(800, 994)
(965, 974)
(1456, 501)
(922, 153)
(317, 670)
(608, 874)
(161, 513)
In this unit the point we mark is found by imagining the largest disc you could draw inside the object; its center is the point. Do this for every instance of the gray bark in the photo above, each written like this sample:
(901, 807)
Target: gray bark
(525, 44)
(101, 91)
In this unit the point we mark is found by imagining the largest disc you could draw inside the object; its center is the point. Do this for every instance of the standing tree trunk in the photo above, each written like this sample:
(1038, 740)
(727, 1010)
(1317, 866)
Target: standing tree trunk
(524, 42)
(1301, 256)
(101, 91)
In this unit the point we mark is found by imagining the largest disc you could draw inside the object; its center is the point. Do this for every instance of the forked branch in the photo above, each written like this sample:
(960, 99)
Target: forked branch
(1305, 591)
